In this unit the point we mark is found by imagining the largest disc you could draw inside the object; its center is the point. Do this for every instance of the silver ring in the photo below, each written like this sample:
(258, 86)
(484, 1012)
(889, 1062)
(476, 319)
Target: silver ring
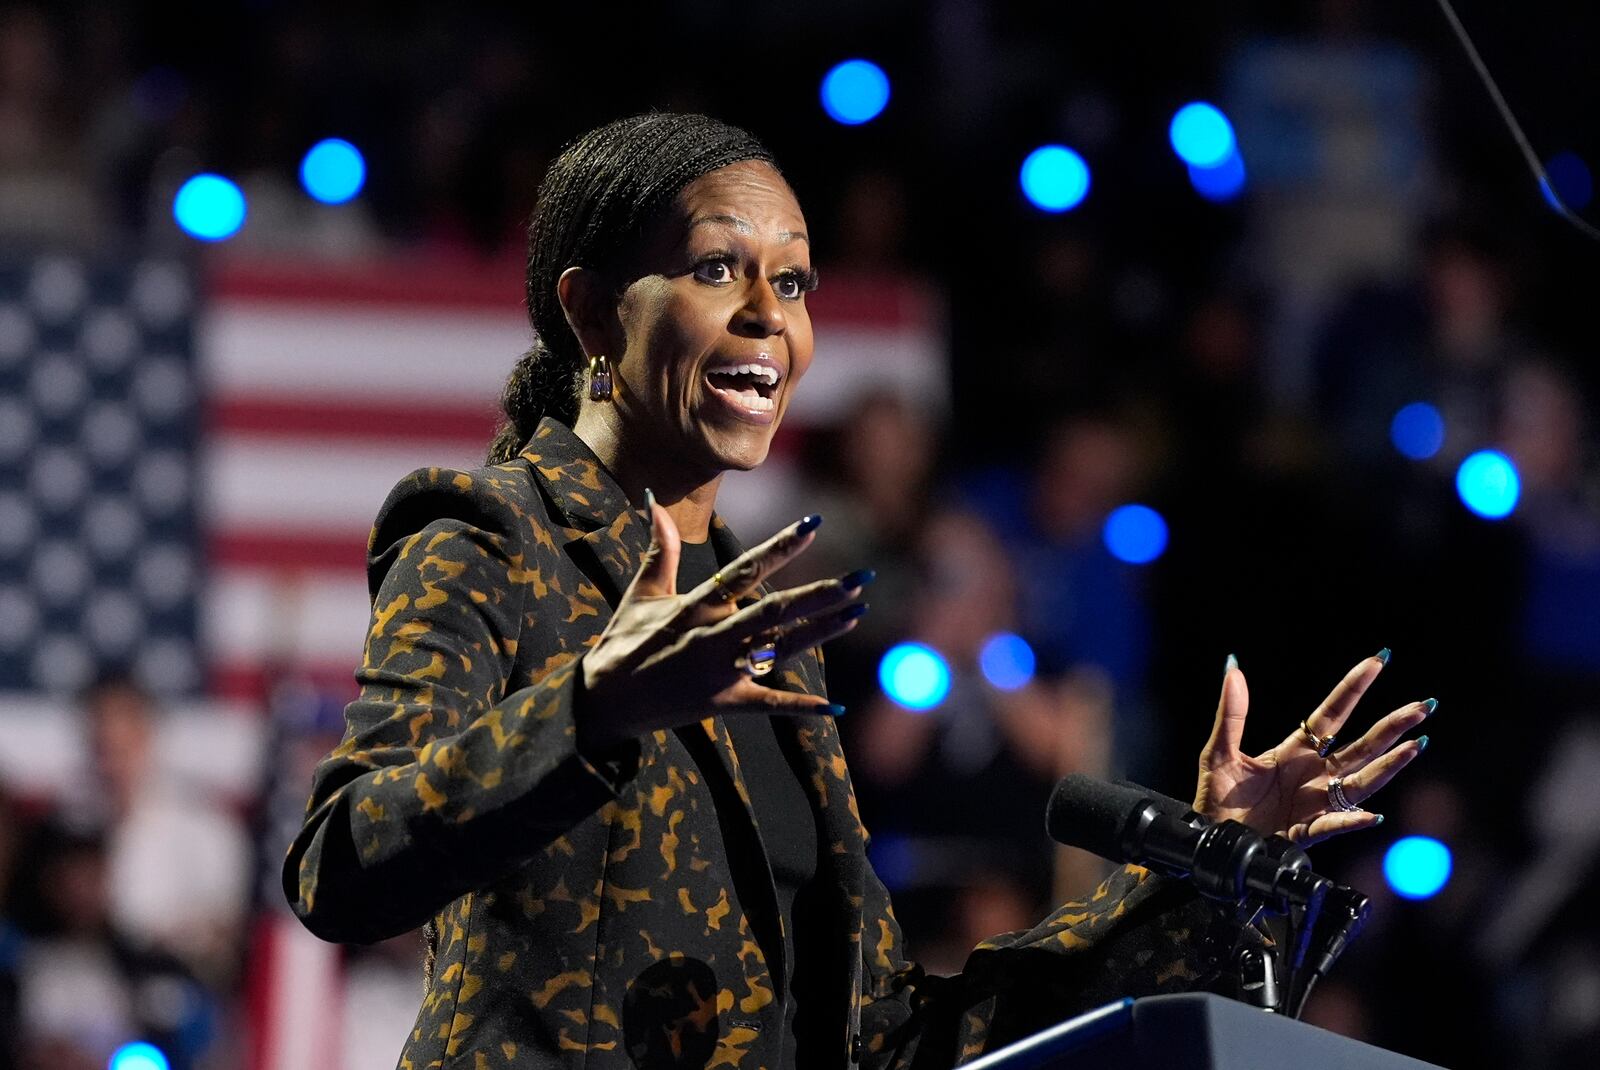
(759, 660)
(1336, 797)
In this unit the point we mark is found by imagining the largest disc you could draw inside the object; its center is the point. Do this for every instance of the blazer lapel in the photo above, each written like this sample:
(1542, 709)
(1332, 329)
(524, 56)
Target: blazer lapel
(610, 536)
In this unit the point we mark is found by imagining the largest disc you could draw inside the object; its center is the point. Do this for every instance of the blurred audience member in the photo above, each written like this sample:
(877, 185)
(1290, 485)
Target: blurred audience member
(179, 864)
(1083, 609)
(875, 494)
(958, 791)
(85, 988)
(45, 193)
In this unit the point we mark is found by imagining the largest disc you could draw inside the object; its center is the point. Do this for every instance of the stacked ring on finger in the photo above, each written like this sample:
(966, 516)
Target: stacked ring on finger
(1321, 744)
(758, 659)
(724, 591)
(1336, 797)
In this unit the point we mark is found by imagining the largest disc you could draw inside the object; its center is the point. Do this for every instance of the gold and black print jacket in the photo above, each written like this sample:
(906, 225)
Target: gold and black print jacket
(584, 913)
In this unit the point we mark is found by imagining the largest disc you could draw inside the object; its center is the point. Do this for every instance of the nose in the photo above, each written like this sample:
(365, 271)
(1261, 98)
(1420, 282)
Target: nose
(762, 314)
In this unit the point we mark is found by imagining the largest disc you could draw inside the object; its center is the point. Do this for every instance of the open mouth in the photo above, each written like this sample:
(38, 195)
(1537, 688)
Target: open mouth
(752, 387)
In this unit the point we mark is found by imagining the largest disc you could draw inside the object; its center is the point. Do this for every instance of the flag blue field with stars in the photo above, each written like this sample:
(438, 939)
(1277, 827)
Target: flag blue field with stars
(99, 552)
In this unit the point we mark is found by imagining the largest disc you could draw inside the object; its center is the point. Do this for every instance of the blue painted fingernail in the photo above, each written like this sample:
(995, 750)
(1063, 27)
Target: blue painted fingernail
(1429, 706)
(1231, 664)
(855, 612)
(808, 524)
(1422, 744)
(859, 578)
(835, 710)
(1383, 655)
(1378, 822)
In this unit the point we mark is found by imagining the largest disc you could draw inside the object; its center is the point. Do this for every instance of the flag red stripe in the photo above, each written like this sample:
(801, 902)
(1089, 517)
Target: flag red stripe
(869, 301)
(288, 551)
(300, 417)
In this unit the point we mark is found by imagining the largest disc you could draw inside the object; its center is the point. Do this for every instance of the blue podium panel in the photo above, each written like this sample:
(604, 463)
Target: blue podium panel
(1189, 1032)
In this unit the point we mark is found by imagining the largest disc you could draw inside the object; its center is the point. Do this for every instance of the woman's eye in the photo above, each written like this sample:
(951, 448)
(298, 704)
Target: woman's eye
(788, 287)
(714, 271)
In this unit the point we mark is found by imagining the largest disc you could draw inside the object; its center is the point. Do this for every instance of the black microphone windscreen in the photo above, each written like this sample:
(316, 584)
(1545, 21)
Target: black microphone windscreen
(1166, 803)
(1092, 814)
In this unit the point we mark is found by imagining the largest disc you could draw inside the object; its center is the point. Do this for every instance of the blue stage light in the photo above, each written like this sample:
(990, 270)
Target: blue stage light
(855, 91)
(1417, 430)
(209, 207)
(333, 171)
(137, 1056)
(1572, 179)
(1201, 135)
(1007, 661)
(1055, 178)
(1417, 867)
(1488, 484)
(1135, 533)
(915, 676)
(1221, 182)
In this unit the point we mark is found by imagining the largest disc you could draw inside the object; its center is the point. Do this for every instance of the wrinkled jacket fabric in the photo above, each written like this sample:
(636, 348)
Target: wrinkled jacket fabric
(585, 912)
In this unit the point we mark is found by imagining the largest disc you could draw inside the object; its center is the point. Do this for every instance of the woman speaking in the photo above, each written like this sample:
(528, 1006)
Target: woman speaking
(592, 750)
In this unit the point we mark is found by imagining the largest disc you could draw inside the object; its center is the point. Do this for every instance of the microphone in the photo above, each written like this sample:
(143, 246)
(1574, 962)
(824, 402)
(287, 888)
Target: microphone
(1225, 860)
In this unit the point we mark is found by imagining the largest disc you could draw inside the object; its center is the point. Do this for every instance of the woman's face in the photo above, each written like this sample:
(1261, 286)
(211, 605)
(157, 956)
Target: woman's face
(715, 325)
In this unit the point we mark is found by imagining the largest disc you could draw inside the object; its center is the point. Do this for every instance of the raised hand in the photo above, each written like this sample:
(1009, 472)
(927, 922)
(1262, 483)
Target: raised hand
(668, 659)
(1286, 789)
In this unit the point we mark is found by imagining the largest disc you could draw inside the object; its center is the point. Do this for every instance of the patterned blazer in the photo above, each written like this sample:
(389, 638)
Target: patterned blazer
(583, 912)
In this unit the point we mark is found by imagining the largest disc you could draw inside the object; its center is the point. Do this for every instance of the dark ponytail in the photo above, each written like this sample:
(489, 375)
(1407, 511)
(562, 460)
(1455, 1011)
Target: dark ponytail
(596, 203)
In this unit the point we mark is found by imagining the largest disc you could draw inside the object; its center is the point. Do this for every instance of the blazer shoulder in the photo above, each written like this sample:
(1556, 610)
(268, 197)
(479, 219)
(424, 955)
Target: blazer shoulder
(499, 500)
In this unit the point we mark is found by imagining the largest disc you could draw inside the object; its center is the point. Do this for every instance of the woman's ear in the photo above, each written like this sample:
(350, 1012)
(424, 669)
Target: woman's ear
(591, 308)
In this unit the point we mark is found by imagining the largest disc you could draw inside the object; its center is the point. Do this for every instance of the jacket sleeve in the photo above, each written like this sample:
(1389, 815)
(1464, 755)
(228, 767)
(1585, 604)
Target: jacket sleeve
(443, 782)
(1138, 934)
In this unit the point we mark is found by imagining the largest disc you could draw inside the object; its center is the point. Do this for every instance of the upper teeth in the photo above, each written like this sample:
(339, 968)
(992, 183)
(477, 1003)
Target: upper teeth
(760, 371)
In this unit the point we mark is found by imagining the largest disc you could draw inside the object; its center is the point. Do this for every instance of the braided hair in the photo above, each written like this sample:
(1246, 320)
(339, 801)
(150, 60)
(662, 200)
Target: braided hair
(597, 201)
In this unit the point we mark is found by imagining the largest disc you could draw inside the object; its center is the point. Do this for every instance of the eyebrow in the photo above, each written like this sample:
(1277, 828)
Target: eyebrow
(744, 226)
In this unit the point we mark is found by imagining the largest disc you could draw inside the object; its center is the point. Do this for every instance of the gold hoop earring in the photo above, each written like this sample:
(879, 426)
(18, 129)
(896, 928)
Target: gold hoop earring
(599, 378)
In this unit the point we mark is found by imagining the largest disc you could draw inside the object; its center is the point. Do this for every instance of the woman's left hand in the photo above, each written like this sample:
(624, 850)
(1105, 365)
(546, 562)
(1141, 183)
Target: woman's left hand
(1285, 790)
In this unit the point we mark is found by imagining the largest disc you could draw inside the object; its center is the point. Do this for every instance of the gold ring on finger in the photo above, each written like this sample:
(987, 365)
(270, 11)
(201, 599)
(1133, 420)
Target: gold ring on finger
(1321, 744)
(759, 660)
(724, 592)
(1337, 800)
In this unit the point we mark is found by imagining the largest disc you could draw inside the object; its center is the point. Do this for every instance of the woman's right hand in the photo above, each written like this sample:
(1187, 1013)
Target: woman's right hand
(667, 659)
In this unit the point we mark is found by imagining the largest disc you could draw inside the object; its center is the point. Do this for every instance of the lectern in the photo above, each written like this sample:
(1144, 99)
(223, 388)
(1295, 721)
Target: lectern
(1189, 1032)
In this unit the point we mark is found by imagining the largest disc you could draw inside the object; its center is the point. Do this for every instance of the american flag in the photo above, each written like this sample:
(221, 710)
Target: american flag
(191, 455)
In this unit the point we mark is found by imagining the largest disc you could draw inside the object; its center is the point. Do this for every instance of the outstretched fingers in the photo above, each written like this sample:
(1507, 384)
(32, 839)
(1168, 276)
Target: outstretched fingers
(749, 697)
(783, 607)
(658, 571)
(1330, 717)
(1383, 735)
(1227, 734)
(750, 569)
(1334, 823)
(1362, 785)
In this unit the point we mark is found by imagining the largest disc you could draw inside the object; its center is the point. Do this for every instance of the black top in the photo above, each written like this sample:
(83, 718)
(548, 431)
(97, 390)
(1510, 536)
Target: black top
(783, 813)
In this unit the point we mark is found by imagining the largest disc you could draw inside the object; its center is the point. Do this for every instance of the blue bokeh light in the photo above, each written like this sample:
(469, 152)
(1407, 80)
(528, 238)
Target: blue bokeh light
(1136, 534)
(137, 1056)
(1417, 867)
(1007, 661)
(1488, 484)
(333, 171)
(1220, 182)
(1201, 135)
(914, 676)
(1417, 430)
(855, 92)
(1054, 178)
(1572, 179)
(209, 207)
